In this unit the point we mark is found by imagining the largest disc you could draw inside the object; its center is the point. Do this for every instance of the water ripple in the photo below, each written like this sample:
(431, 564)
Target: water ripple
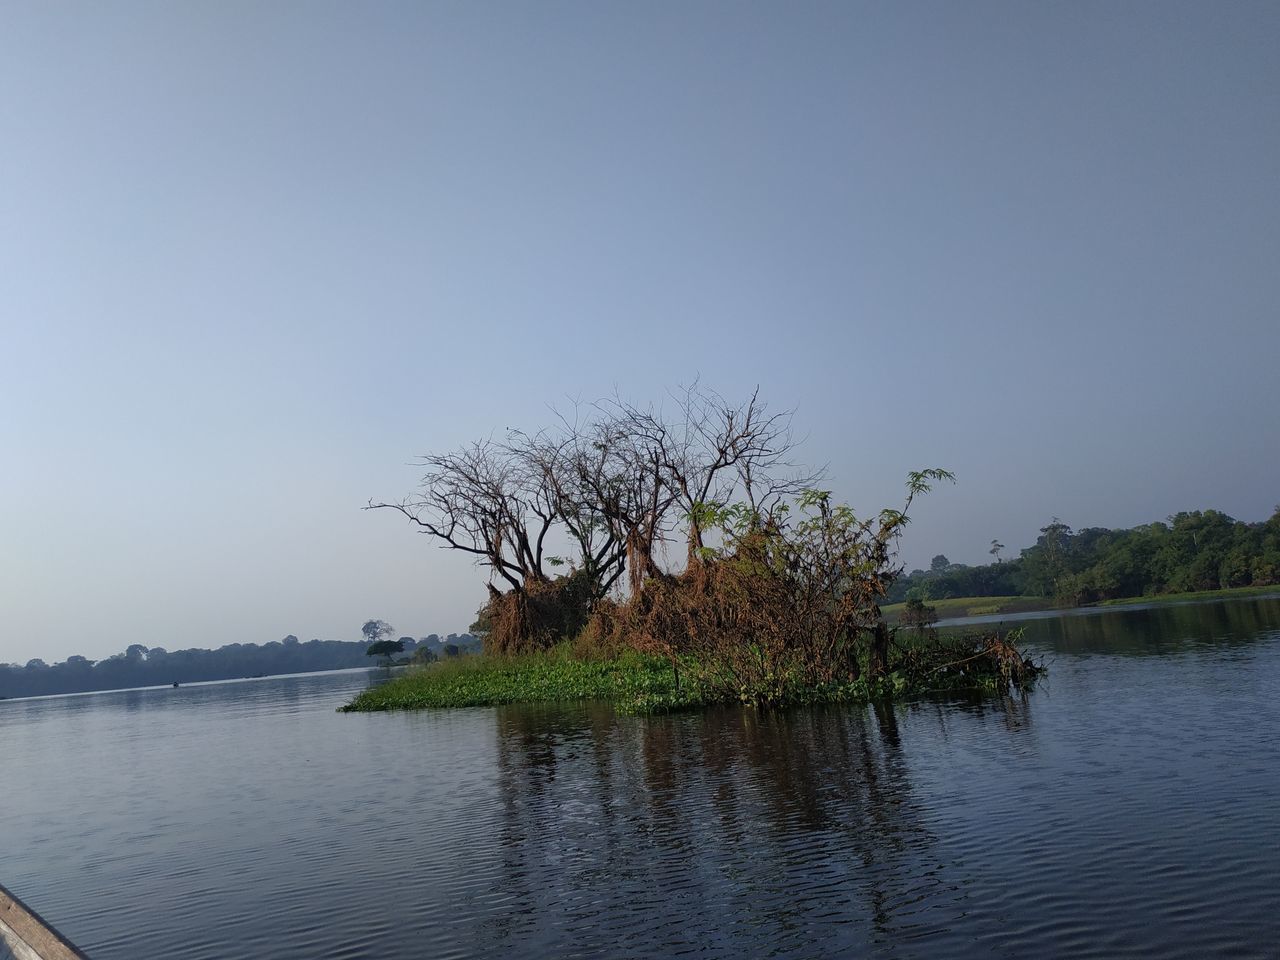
(1127, 810)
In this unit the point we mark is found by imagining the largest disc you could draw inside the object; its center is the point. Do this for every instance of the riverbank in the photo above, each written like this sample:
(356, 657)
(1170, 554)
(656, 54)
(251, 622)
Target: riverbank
(636, 683)
(971, 607)
(955, 607)
(1190, 597)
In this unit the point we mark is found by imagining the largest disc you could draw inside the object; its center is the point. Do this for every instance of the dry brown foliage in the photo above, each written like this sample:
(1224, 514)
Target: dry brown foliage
(612, 482)
(754, 620)
(537, 617)
(780, 585)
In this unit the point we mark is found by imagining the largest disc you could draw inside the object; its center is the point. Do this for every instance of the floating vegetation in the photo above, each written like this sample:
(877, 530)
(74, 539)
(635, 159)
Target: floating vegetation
(645, 683)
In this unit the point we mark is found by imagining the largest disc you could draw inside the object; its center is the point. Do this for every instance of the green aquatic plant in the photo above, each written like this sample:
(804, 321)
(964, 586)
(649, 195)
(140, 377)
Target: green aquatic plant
(645, 683)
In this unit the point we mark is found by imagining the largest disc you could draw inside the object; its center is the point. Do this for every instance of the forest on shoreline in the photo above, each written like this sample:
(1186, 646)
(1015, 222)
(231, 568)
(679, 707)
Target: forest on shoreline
(1195, 551)
(139, 666)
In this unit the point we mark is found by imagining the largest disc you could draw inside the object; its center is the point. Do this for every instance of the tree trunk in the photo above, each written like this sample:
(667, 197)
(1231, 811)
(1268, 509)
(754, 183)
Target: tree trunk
(878, 663)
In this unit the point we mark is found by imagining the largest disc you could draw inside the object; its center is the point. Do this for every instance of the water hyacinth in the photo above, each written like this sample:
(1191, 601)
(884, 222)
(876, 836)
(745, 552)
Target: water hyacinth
(642, 683)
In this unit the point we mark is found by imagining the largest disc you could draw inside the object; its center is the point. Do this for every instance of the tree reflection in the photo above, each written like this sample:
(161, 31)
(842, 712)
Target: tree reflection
(729, 831)
(1160, 629)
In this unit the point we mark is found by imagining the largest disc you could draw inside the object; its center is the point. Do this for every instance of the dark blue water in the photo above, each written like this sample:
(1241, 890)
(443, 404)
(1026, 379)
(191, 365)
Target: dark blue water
(1128, 808)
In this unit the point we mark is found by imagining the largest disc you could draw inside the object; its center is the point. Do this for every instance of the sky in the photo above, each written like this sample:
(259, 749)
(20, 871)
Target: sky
(256, 258)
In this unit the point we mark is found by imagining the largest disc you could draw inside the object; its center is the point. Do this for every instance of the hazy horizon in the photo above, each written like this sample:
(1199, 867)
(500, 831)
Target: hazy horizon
(258, 258)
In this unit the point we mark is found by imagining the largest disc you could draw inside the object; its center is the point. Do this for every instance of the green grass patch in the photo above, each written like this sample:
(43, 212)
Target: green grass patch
(990, 606)
(1196, 595)
(972, 607)
(636, 683)
(484, 681)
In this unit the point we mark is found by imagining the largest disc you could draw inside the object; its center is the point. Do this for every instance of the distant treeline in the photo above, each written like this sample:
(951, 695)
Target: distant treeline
(139, 666)
(1194, 551)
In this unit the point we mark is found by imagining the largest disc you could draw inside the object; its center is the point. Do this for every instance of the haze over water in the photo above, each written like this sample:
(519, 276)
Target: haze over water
(258, 257)
(1127, 808)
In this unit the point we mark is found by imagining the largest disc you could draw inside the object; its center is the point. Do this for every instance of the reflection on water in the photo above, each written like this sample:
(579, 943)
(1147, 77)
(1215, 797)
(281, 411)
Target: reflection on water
(1139, 628)
(717, 832)
(1128, 808)
(1158, 629)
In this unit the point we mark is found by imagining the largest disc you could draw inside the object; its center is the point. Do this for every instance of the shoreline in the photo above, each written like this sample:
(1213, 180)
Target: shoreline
(185, 686)
(956, 608)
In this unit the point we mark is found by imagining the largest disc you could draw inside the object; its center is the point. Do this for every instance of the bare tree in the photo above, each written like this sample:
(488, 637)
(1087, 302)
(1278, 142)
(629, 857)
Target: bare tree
(711, 452)
(614, 480)
(578, 479)
(631, 485)
(730, 450)
(483, 501)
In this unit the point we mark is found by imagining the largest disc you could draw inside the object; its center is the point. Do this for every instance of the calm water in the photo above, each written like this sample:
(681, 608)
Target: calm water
(1127, 808)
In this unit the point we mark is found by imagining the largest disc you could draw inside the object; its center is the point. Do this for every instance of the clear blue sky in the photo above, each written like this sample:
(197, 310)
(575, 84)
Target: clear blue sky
(256, 257)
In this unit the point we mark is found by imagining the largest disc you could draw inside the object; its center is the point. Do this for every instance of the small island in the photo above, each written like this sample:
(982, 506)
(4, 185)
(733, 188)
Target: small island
(774, 600)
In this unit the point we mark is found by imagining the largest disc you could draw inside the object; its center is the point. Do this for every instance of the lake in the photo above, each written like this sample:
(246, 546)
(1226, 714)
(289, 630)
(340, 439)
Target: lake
(1129, 807)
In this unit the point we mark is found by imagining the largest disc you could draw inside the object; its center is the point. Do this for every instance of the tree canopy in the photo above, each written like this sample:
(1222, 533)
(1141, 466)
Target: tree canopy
(385, 648)
(772, 581)
(375, 630)
(1191, 551)
(612, 480)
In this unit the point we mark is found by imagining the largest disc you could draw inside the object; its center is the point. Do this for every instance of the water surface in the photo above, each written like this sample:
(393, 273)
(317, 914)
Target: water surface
(1127, 808)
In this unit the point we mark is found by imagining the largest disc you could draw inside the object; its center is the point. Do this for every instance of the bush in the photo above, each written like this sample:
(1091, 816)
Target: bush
(787, 601)
(538, 617)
